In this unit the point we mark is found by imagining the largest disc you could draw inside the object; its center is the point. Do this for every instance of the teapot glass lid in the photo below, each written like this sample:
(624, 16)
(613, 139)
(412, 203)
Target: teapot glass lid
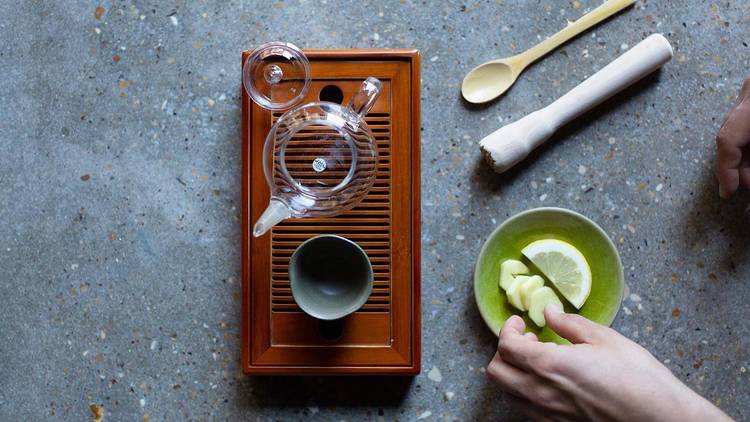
(276, 75)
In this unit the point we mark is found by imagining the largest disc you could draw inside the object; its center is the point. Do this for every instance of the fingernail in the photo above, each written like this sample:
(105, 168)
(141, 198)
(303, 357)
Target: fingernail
(554, 309)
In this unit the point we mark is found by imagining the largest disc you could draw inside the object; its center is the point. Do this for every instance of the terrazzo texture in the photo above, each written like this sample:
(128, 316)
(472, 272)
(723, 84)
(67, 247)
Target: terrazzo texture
(120, 186)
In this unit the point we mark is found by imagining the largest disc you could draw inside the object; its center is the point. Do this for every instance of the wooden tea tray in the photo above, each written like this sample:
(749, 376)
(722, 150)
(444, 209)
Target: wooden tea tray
(383, 337)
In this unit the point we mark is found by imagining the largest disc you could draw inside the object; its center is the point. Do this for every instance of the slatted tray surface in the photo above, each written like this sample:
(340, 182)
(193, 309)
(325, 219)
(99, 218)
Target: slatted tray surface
(384, 335)
(368, 224)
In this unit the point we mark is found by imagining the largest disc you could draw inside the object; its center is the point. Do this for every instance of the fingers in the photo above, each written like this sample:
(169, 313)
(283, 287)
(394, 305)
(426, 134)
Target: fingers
(511, 379)
(733, 137)
(531, 336)
(745, 92)
(514, 323)
(744, 174)
(526, 385)
(729, 181)
(728, 158)
(573, 327)
(516, 348)
(744, 168)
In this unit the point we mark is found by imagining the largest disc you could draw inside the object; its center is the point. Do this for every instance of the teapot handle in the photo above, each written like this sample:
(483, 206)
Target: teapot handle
(365, 98)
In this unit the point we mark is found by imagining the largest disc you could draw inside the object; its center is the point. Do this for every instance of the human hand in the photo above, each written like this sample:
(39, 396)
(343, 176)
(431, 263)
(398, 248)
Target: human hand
(601, 376)
(733, 146)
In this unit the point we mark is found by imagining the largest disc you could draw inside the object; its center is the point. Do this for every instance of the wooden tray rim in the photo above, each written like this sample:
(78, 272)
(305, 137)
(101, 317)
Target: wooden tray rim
(414, 58)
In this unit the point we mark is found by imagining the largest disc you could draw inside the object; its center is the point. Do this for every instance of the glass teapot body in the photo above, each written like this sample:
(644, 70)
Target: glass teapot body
(319, 159)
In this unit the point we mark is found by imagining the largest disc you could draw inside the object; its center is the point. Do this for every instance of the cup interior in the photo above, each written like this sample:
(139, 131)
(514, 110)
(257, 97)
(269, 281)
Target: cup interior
(330, 277)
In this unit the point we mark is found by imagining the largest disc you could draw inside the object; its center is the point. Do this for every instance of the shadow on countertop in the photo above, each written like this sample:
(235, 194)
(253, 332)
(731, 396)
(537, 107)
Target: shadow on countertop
(711, 218)
(323, 391)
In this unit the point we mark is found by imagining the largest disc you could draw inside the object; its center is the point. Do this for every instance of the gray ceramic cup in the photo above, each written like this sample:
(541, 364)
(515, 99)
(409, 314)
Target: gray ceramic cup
(330, 276)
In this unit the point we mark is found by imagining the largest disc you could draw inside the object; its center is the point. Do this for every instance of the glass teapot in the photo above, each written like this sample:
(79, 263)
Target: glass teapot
(319, 159)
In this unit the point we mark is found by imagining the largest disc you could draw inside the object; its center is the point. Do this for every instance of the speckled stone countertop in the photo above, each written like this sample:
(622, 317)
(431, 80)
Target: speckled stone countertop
(120, 186)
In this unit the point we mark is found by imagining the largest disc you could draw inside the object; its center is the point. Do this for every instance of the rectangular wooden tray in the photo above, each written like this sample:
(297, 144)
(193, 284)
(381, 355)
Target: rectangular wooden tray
(384, 336)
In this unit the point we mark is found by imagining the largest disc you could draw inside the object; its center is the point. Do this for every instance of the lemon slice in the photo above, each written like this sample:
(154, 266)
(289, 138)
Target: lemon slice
(564, 266)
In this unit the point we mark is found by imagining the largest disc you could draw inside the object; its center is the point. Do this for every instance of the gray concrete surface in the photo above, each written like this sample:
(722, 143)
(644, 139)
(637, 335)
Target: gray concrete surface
(120, 181)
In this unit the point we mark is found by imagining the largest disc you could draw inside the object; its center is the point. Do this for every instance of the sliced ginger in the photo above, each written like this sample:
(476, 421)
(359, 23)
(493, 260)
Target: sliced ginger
(526, 292)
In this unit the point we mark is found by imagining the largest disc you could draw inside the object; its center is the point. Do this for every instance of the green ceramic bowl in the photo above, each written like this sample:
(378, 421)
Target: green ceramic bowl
(518, 231)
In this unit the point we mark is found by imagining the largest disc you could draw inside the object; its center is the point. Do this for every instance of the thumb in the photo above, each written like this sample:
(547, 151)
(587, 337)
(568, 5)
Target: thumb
(573, 327)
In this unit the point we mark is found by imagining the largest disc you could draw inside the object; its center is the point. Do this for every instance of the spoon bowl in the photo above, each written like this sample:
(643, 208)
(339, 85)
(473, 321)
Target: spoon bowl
(488, 81)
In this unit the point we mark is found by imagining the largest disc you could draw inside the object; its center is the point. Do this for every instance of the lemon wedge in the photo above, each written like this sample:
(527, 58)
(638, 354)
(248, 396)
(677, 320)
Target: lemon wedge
(564, 266)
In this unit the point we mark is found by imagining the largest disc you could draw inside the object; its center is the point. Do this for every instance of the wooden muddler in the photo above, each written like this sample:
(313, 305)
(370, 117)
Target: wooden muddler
(510, 144)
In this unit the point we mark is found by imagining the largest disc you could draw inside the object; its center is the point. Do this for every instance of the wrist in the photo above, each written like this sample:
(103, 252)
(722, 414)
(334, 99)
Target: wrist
(691, 406)
(703, 410)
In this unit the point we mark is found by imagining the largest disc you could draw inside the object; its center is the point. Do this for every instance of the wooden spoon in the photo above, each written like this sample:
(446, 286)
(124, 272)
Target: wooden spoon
(489, 80)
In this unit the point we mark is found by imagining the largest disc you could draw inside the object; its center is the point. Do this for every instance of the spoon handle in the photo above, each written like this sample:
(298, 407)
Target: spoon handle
(607, 9)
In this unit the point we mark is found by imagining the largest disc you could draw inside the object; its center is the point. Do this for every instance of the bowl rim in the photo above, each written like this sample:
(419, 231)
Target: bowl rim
(354, 306)
(561, 210)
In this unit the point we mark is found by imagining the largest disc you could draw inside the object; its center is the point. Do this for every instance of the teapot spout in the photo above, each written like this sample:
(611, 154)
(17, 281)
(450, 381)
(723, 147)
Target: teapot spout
(276, 212)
